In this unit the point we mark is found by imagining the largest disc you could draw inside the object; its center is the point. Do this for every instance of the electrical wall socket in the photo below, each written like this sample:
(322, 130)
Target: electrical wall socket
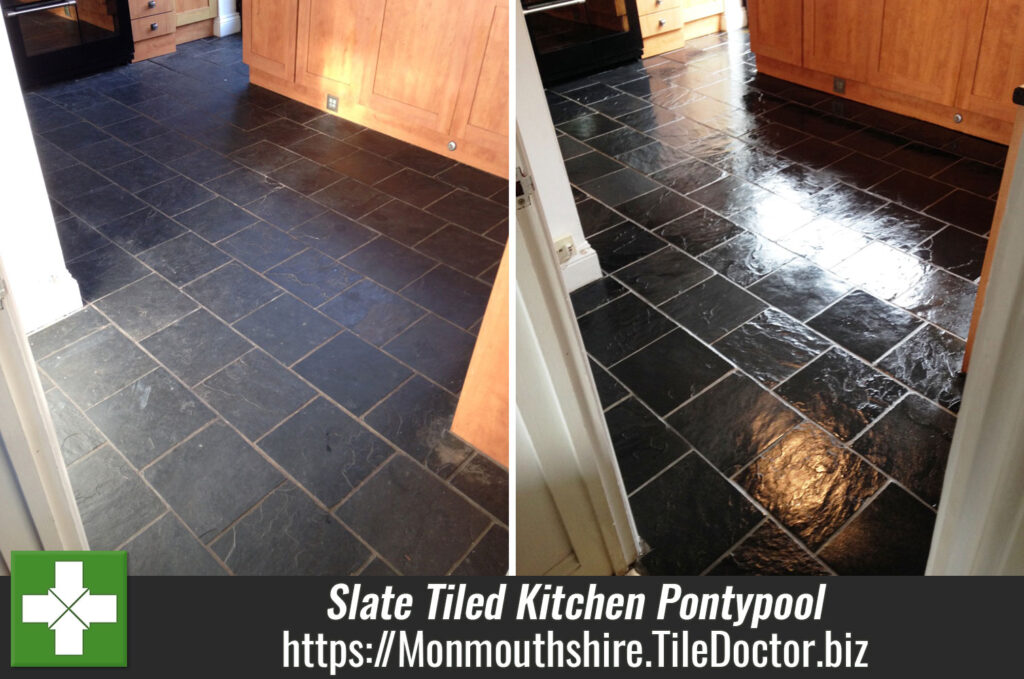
(565, 249)
(839, 85)
(332, 103)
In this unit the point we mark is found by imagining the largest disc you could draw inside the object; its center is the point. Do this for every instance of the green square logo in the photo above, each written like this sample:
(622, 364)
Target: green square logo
(69, 609)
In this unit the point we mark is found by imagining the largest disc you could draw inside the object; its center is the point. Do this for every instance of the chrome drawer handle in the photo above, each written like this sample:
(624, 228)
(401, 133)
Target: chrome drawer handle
(153, 26)
(152, 3)
(662, 22)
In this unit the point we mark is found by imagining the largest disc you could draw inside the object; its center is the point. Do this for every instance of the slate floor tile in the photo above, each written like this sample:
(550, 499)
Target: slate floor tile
(930, 362)
(469, 211)
(65, 331)
(145, 306)
(657, 207)
(942, 298)
(768, 551)
(592, 295)
(285, 208)
(800, 289)
(438, 525)
(261, 246)
(149, 416)
(619, 186)
(104, 270)
(840, 393)
(96, 366)
(76, 435)
(965, 210)
(183, 259)
(824, 242)
(771, 346)
(355, 374)
(175, 195)
(287, 329)
(216, 219)
(589, 166)
(232, 291)
(416, 418)
(138, 173)
(898, 226)
(955, 250)
(624, 244)
(864, 324)
(461, 250)
(254, 393)
(486, 483)
(289, 535)
(403, 222)
(670, 371)
(203, 165)
(698, 231)
(326, 450)
(689, 516)
(139, 231)
(103, 205)
(113, 501)
(332, 234)
(713, 308)
(167, 548)
(664, 275)
(488, 557)
(437, 349)
(264, 156)
(412, 187)
(196, 346)
(389, 263)
(643, 444)
(374, 313)
(810, 483)
(242, 186)
(313, 276)
(451, 295)
(365, 167)
(747, 258)
(212, 479)
(305, 176)
(621, 327)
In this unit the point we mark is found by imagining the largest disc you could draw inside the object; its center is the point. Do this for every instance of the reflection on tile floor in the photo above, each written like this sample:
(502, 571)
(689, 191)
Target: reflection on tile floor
(254, 386)
(789, 279)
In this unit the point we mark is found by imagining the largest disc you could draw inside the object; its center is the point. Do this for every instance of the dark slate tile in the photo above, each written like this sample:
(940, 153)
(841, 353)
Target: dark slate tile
(297, 111)
(978, 149)
(75, 135)
(285, 208)
(113, 501)
(136, 129)
(773, 136)
(800, 289)
(355, 374)
(892, 536)
(203, 165)
(377, 142)
(451, 295)
(413, 187)
(422, 160)
(175, 195)
(106, 154)
(643, 444)
(338, 128)
(746, 258)
(168, 147)
(474, 180)
(287, 329)
(955, 250)
(729, 195)
(864, 171)
(76, 435)
(262, 246)
(52, 159)
(592, 93)
(78, 238)
(619, 105)
(620, 328)
(768, 551)
(149, 416)
(402, 222)
(242, 186)
(332, 234)
(139, 173)
(864, 324)
(689, 516)
(670, 371)
(322, 148)
(264, 156)
(212, 479)
(590, 166)
(824, 242)
(911, 190)
(462, 250)
(95, 366)
(619, 187)
(389, 263)
(624, 244)
(437, 349)
(290, 535)
(810, 483)
(469, 211)
(815, 153)
(305, 176)
(796, 182)
(145, 306)
(565, 110)
(416, 418)
(438, 525)
(898, 226)
(657, 207)
(368, 168)
(653, 157)
(65, 331)
(971, 175)
(486, 483)
(72, 181)
(592, 295)
(232, 291)
(619, 141)
(105, 270)
(699, 231)
(355, 199)
(930, 362)
(922, 158)
(965, 210)
(283, 132)
(374, 313)
(663, 275)
(45, 118)
(103, 205)
(313, 277)
(944, 299)
(196, 346)
(840, 393)
(184, 259)
(771, 346)
(713, 308)
(587, 126)
(733, 422)
(488, 557)
(167, 548)
(141, 230)
(882, 271)
(216, 219)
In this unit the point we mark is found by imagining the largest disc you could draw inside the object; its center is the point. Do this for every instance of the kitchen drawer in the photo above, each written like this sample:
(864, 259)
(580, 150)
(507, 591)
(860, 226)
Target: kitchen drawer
(145, 8)
(142, 29)
(661, 22)
(644, 7)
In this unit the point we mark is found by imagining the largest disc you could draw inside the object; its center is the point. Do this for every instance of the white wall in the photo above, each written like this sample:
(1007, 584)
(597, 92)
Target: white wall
(228, 20)
(28, 236)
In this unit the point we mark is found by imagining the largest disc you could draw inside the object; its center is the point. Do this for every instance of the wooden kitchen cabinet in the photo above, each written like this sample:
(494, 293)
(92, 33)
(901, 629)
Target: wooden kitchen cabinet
(993, 64)
(431, 72)
(776, 29)
(838, 36)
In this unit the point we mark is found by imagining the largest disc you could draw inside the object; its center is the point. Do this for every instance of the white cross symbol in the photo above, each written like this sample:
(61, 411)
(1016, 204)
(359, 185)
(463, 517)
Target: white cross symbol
(68, 608)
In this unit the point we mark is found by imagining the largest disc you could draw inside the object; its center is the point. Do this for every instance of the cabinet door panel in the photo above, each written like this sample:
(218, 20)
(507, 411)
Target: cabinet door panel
(336, 41)
(420, 61)
(776, 29)
(481, 117)
(993, 62)
(920, 48)
(268, 36)
(840, 36)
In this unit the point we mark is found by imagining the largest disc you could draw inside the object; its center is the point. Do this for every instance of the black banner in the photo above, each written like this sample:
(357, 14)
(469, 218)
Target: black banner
(545, 626)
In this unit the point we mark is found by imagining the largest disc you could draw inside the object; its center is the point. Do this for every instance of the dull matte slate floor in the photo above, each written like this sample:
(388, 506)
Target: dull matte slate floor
(281, 307)
(789, 283)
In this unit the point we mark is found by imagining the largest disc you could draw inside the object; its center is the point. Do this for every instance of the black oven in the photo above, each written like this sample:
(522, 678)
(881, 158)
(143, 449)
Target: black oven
(572, 38)
(57, 39)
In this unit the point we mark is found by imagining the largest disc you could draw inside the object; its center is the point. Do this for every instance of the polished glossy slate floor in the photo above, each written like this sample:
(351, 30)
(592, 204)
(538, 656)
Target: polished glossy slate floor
(778, 336)
(281, 310)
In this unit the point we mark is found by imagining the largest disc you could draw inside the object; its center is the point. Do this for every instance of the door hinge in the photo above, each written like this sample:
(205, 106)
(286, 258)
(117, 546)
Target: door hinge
(524, 189)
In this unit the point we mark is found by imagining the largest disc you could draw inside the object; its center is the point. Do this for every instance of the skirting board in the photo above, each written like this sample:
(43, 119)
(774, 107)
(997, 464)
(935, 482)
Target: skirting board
(47, 299)
(581, 269)
(227, 24)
